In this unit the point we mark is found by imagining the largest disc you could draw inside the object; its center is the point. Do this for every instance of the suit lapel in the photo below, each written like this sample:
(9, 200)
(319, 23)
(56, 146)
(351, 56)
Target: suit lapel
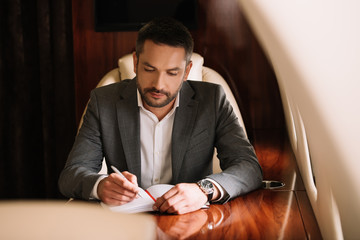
(183, 127)
(129, 127)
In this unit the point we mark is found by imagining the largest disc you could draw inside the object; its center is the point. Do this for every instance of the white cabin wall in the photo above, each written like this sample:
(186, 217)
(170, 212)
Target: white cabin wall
(314, 47)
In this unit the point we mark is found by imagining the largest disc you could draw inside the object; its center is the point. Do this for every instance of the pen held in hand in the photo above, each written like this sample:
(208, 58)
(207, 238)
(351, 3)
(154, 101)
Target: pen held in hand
(118, 172)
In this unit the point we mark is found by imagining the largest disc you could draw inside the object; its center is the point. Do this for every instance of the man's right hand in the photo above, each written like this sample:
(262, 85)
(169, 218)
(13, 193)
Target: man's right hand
(116, 190)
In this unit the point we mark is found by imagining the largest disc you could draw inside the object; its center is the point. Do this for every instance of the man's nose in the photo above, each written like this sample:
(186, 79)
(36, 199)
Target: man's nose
(159, 81)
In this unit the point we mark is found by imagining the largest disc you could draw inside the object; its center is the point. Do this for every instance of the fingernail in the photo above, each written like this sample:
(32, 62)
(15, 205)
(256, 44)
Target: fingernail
(155, 208)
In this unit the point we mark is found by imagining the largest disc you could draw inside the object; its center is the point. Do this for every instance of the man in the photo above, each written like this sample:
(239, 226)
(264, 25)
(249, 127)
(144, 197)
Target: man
(161, 128)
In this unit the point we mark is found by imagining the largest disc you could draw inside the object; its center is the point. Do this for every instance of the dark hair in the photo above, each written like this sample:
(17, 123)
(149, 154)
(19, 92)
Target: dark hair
(166, 31)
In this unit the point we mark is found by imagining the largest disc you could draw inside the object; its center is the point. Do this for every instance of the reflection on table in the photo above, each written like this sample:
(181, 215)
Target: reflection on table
(262, 214)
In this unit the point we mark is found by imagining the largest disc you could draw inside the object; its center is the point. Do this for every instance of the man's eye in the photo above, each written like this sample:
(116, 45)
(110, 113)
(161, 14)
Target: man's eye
(148, 69)
(172, 73)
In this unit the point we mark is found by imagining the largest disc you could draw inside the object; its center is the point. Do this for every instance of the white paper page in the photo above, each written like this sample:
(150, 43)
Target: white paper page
(159, 189)
(141, 204)
(137, 205)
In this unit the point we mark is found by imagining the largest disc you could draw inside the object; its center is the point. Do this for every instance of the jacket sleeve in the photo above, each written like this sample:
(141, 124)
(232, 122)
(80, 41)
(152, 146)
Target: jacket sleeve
(241, 171)
(84, 161)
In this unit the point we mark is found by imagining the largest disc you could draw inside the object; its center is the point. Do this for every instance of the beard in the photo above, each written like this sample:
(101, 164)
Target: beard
(157, 103)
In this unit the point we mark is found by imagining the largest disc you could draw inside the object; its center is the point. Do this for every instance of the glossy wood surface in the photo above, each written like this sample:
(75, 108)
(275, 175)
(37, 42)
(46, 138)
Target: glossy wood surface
(263, 214)
(277, 158)
(283, 213)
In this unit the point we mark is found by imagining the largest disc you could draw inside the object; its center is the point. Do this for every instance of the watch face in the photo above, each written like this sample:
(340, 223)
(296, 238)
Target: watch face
(207, 186)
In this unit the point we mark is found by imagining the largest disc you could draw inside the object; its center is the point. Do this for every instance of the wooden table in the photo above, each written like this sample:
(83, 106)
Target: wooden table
(263, 214)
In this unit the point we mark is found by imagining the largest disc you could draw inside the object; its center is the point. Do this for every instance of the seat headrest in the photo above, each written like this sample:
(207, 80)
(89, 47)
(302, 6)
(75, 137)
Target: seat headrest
(126, 67)
(196, 69)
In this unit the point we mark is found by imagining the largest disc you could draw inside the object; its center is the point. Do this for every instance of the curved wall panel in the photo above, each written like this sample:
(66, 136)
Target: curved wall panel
(314, 48)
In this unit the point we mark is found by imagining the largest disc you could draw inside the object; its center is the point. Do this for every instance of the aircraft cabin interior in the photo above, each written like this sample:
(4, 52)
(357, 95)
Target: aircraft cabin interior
(290, 70)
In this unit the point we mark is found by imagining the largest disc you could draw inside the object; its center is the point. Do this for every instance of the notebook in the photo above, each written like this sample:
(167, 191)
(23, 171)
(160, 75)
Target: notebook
(142, 204)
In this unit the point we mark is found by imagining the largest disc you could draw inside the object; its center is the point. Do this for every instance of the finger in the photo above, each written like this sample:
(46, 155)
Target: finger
(170, 202)
(113, 198)
(159, 201)
(124, 186)
(131, 177)
(118, 192)
(178, 207)
(110, 189)
(177, 204)
(116, 199)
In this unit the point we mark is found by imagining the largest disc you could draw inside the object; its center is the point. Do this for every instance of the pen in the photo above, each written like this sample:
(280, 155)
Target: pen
(118, 172)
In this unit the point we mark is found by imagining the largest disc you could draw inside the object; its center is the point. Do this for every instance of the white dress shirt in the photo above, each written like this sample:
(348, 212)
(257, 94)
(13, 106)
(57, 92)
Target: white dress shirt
(155, 140)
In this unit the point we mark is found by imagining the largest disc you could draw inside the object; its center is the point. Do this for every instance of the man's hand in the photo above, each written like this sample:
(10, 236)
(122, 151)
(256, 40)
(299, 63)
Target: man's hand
(116, 190)
(183, 198)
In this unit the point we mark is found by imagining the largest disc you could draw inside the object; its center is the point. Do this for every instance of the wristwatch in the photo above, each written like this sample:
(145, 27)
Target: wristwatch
(207, 187)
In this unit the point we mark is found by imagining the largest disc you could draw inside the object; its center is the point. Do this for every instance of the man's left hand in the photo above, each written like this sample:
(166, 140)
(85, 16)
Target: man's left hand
(183, 198)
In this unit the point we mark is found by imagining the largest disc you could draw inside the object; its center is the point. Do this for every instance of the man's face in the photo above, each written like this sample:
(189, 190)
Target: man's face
(160, 72)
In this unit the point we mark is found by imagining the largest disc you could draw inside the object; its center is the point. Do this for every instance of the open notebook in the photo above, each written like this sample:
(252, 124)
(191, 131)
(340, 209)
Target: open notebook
(142, 204)
(145, 203)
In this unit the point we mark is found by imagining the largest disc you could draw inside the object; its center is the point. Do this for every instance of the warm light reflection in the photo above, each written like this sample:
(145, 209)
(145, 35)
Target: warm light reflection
(288, 208)
(199, 222)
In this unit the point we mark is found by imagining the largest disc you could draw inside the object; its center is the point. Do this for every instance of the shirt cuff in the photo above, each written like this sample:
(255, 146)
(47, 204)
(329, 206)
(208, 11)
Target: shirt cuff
(220, 188)
(93, 194)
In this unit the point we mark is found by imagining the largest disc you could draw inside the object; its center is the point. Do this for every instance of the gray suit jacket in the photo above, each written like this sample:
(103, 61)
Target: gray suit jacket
(203, 120)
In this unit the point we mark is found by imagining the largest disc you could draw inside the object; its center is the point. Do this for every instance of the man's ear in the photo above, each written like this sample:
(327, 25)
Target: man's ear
(187, 70)
(135, 60)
